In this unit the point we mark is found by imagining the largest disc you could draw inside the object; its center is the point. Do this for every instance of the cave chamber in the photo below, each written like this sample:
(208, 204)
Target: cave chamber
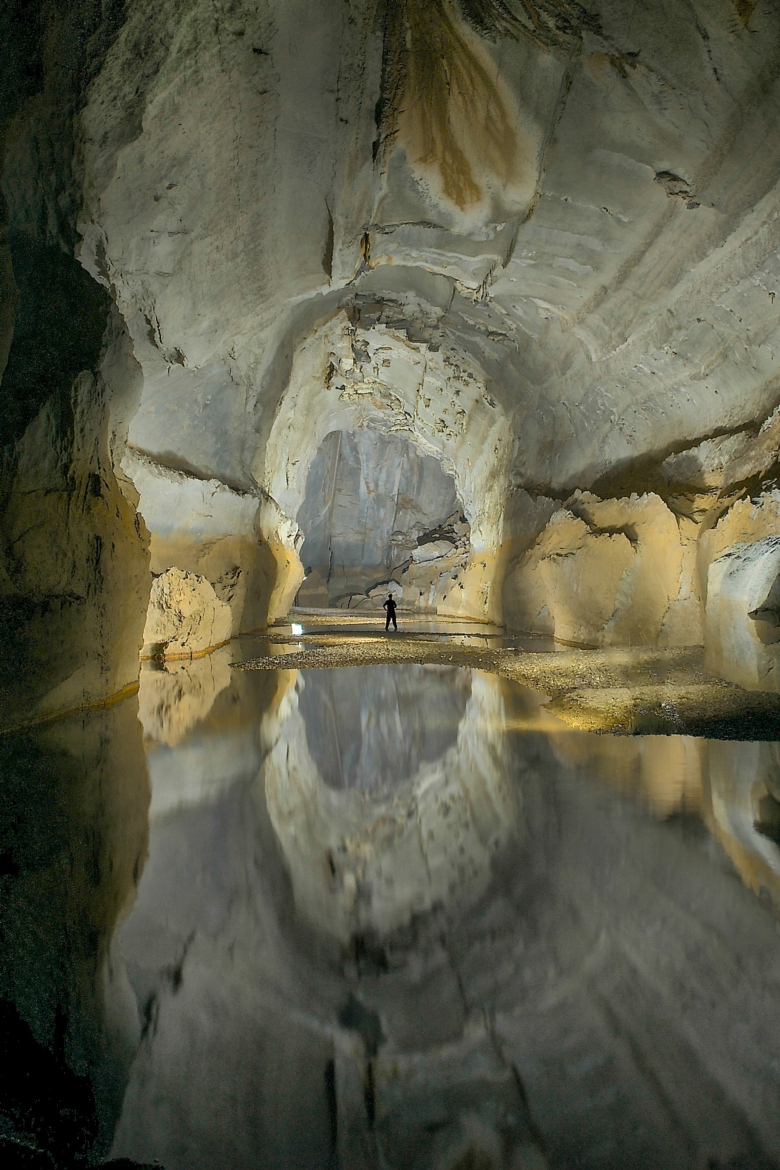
(474, 302)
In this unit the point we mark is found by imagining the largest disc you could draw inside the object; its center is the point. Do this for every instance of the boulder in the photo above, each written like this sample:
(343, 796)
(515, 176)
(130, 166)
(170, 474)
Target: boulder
(185, 616)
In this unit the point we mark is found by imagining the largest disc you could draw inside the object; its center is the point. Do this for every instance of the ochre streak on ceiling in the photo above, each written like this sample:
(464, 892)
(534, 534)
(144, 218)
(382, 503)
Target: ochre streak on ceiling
(448, 109)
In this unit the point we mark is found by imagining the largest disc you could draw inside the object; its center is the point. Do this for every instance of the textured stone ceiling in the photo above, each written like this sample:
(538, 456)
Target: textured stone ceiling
(590, 218)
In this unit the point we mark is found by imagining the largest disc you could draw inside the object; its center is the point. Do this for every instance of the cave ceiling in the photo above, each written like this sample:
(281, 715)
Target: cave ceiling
(580, 203)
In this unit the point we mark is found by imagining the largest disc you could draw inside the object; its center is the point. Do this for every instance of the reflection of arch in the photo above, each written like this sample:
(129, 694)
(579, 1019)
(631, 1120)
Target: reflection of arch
(363, 865)
(741, 774)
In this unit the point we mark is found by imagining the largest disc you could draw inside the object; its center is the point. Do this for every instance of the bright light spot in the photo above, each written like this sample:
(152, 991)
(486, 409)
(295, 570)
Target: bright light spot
(297, 631)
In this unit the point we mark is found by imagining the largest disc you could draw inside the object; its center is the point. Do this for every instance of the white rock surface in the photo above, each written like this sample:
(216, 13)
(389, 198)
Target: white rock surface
(376, 508)
(185, 616)
(485, 290)
(540, 241)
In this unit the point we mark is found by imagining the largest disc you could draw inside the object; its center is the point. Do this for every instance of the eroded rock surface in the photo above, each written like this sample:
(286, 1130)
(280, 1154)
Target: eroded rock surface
(185, 616)
(539, 241)
(377, 510)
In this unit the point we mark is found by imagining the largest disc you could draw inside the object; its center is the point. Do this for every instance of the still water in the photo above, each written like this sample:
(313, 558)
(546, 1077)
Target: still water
(388, 916)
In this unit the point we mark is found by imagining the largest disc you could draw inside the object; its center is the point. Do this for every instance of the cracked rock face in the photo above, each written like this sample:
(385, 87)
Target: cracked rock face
(185, 616)
(539, 241)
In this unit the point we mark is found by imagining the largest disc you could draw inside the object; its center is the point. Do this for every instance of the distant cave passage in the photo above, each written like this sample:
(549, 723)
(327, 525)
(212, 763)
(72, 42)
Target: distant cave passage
(379, 515)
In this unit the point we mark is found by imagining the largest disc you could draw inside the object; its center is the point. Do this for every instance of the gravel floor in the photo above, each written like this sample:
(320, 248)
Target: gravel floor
(625, 691)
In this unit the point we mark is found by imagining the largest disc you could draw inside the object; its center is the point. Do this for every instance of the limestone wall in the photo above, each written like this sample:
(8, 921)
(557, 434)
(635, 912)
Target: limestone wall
(543, 248)
(376, 510)
(73, 553)
(74, 579)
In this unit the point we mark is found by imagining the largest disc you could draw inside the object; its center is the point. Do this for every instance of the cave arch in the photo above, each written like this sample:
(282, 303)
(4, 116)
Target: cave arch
(365, 372)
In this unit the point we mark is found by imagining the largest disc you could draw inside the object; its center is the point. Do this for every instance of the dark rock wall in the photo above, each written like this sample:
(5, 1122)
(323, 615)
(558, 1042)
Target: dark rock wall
(73, 565)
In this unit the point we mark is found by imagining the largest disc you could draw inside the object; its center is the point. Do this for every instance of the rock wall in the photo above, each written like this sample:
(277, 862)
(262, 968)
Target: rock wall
(539, 241)
(378, 510)
(234, 539)
(74, 577)
(73, 553)
(607, 572)
(641, 569)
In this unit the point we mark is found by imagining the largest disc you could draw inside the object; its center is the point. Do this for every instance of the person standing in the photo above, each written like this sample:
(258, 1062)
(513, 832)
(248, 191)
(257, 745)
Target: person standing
(390, 606)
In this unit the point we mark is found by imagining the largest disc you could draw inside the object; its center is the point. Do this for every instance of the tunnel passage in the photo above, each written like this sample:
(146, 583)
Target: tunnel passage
(379, 510)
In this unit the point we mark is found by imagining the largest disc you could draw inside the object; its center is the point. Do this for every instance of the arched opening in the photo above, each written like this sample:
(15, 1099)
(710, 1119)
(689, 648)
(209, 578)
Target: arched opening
(474, 301)
(379, 514)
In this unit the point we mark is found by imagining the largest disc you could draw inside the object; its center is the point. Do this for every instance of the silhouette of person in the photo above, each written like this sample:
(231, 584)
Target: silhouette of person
(390, 606)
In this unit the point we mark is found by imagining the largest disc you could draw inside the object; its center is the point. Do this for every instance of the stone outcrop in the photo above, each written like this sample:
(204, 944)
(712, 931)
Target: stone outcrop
(74, 577)
(234, 539)
(185, 616)
(608, 572)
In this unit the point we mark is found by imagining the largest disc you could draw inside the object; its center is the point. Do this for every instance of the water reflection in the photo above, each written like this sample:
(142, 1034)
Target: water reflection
(74, 800)
(369, 730)
(200, 726)
(389, 917)
(384, 806)
(743, 810)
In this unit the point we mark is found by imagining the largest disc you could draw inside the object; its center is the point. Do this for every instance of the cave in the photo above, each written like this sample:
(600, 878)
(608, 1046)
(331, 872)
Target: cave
(379, 515)
(473, 305)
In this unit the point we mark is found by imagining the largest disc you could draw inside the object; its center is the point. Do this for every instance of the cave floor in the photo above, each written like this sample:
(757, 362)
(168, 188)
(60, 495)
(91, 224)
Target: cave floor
(622, 691)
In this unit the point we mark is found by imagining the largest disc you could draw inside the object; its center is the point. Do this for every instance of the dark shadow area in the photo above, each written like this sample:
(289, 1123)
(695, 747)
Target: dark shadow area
(73, 806)
(58, 332)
